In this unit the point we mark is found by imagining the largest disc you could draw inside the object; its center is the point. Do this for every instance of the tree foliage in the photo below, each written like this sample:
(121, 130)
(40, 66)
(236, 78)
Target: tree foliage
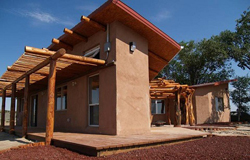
(199, 62)
(241, 94)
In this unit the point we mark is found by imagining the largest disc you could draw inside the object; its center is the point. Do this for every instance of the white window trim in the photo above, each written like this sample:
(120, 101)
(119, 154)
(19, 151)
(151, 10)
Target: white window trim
(59, 110)
(92, 52)
(91, 125)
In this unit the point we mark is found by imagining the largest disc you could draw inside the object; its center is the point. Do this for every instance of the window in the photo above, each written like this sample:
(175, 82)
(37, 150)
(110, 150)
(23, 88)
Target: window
(61, 98)
(93, 53)
(94, 100)
(157, 107)
(219, 105)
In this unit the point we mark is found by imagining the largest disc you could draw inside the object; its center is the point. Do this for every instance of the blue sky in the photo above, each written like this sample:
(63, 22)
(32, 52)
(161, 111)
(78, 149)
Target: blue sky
(34, 23)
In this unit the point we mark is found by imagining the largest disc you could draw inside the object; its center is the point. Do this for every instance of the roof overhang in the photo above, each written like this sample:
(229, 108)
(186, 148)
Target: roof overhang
(162, 48)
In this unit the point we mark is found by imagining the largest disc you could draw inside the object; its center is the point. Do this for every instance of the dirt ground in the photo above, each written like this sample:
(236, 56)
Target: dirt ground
(229, 147)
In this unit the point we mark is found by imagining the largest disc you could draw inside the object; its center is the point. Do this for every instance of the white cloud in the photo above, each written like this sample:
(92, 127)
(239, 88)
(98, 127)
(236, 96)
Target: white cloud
(40, 16)
(162, 15)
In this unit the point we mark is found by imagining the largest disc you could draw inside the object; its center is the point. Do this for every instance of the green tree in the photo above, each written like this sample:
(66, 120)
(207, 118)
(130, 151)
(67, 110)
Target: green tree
(237, 44)
(199, 62)
(241, 94)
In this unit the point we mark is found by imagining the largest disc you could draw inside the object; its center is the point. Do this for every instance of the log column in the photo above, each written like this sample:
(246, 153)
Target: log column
(25, 106)
(3, 110)
(191, 110)
(168, 111)
(12, 109)
(187, 108)
(178, 108)
(51, 102)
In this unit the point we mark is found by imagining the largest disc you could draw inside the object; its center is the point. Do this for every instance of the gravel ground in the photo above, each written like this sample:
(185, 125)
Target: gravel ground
(208, 148)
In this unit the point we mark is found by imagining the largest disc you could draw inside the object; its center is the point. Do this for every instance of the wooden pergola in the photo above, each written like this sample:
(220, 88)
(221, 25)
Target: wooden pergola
(37, 69)
(163, 89)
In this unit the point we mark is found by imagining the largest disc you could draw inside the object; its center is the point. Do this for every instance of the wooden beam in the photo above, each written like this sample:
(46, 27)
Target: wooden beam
(159, 58)
(75, 35)
(63, 44)
(9, 68)
(186, 108)
(25, 106)
(93, 23)
(51, 102)
(153, 71)
(12, 109)
(177, 109)
(54, 56)
(66, 56)
(3, 109)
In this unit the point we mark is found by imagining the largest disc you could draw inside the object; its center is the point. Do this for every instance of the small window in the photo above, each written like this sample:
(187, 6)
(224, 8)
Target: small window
(93, 53)
(61, 98)
(94, 100)
(157, 107)
(219, 104)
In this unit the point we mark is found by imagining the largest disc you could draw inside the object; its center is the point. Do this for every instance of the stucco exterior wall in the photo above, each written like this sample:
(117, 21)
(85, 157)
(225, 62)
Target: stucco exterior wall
(204, 104)
(132, 82)
(123, 89)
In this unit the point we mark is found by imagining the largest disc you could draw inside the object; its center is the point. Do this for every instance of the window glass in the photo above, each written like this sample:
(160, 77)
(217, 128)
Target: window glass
(157, 107)
(94, 115)
(94, 90)
(219, 104)
(94, 100)
(58, 99)
(153, 107)
(64, 98)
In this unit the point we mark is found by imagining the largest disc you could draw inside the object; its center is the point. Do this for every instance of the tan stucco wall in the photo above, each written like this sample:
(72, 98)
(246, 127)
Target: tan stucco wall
(132, 83)
(204, 104)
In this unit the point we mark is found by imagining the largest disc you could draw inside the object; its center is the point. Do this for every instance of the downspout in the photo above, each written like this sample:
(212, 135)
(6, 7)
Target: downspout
(107, 45)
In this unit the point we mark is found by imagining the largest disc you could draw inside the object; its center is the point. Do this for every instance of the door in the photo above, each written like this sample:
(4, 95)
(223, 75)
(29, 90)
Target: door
(33, 117)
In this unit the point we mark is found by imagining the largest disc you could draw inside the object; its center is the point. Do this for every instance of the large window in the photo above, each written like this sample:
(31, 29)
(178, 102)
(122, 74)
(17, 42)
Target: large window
(61, 98)
(157, 107)
(93, 53)
(94, 100)
(219, 104)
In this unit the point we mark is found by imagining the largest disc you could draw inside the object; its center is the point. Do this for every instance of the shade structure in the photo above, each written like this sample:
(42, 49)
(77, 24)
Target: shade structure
(68, 66)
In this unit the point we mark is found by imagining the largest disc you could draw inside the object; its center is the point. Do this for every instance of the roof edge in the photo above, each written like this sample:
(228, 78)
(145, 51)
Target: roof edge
(213, 83)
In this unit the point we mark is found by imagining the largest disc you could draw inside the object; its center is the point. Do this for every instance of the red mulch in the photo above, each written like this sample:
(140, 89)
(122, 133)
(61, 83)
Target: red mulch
(207, 148)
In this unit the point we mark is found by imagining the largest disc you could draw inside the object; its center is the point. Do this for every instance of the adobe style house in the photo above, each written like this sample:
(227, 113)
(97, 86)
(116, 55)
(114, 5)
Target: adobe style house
(93, 79)
(211, 102)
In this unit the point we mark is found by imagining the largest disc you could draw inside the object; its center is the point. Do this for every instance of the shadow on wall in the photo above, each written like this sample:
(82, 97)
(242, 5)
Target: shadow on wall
(217, 116)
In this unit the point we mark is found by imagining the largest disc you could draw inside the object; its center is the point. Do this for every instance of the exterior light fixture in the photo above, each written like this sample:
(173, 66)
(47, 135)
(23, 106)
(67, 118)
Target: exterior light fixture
(132, 46)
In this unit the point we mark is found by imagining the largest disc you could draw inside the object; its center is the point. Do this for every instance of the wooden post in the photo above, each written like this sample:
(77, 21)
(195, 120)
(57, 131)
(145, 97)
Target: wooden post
(178, 108)
(12, 109)
(191, 110)
(187, 106)
(51, 102)
(25, 106)
(3, 110)
(168, 111)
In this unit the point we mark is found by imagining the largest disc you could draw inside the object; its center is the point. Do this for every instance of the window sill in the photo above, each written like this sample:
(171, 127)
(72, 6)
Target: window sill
(62, 110)
(95, 126)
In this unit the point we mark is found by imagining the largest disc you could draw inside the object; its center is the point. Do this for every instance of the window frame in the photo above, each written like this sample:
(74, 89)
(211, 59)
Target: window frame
(156, 108)
(93, 104)
(62, 95)
(91, 52)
